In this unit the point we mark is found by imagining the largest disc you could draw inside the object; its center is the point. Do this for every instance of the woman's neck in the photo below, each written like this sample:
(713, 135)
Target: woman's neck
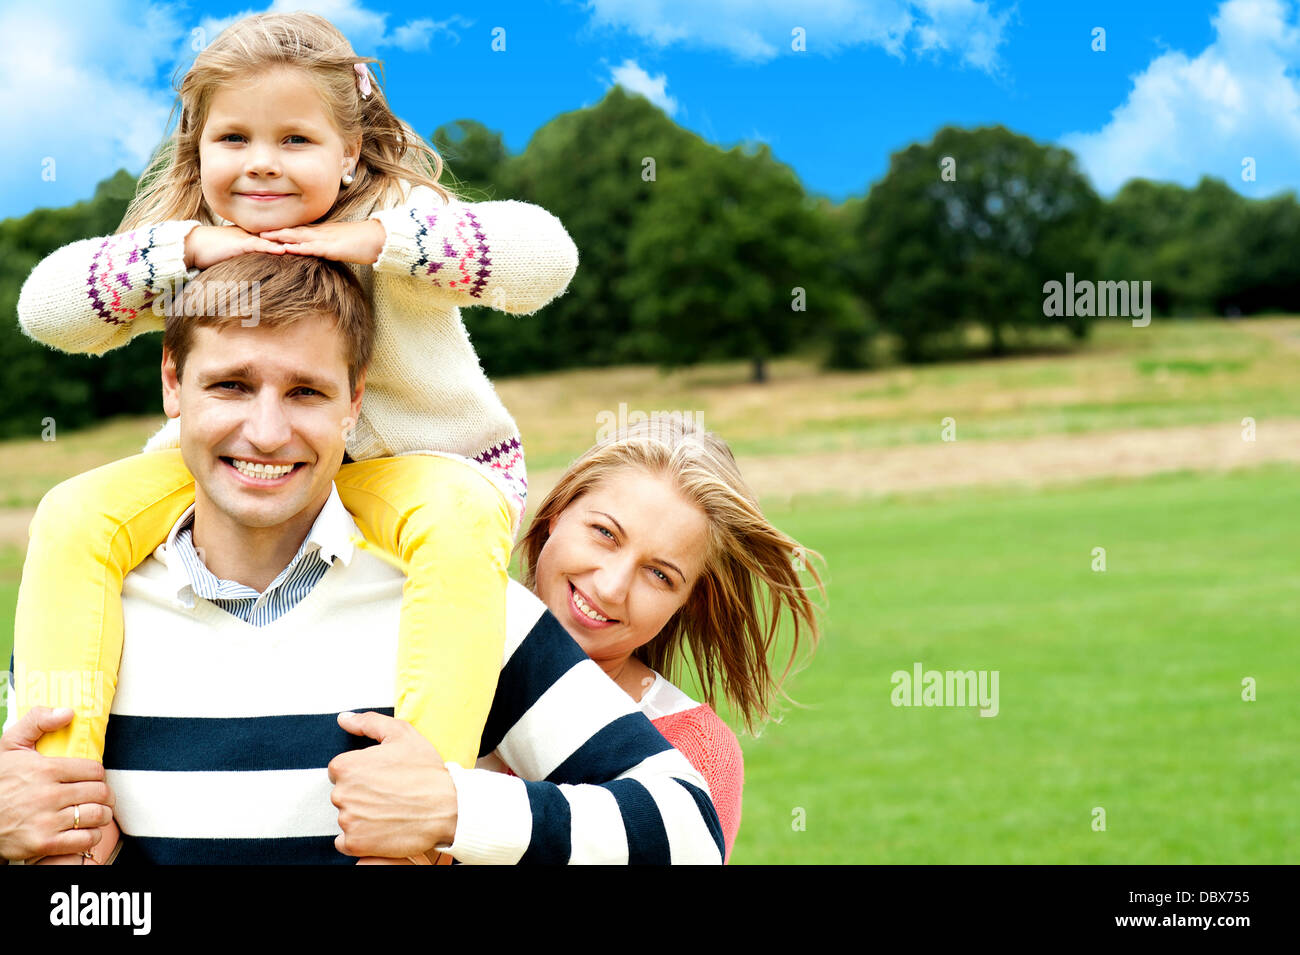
(632, 676)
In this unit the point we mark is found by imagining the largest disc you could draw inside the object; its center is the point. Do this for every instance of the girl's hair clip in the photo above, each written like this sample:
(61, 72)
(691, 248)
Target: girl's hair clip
(363, 76)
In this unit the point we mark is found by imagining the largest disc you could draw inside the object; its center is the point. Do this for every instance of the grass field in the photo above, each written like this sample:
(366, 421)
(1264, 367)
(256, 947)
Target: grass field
(1118, 689)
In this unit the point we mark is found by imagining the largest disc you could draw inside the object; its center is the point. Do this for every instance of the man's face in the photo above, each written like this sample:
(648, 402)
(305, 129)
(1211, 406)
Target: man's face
(263, 417)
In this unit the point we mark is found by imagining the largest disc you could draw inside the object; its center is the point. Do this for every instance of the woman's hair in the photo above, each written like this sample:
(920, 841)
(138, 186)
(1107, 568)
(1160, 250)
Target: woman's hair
(730, 621)
(391, 151)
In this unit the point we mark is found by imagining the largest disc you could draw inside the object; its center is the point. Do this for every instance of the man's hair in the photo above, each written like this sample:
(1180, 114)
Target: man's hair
(273, 291)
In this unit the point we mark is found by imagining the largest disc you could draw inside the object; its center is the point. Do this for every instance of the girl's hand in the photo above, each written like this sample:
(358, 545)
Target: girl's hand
(359, 242)
(209, 244)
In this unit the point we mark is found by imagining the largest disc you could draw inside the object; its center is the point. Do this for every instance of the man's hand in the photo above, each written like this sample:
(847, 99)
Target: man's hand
(38, 793)
(359, 242)
(395, 799)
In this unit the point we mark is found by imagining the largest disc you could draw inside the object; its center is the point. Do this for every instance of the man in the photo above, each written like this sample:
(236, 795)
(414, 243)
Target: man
(259, 621)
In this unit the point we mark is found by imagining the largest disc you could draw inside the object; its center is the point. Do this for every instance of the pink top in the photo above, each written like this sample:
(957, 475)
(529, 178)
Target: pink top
(708, 744)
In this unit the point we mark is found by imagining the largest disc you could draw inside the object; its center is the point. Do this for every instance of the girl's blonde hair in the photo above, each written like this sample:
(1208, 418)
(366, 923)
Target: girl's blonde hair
(391, 151)
(751, 570)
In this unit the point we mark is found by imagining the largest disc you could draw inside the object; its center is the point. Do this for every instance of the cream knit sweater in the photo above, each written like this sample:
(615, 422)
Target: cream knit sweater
(425, 389)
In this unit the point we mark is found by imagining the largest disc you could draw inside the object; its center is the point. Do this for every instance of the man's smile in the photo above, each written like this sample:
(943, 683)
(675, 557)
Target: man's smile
(263, 474)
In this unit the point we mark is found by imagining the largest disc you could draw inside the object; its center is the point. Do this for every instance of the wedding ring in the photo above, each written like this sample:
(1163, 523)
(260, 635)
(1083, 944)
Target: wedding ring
(76, 817)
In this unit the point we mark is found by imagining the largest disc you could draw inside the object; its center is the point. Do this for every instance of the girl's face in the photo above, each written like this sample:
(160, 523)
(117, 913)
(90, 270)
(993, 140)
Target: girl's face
(269, 155)
(629, 551)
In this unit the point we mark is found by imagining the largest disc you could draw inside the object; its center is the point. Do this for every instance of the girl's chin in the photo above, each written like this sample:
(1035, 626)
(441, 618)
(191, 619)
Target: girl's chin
(268, 224)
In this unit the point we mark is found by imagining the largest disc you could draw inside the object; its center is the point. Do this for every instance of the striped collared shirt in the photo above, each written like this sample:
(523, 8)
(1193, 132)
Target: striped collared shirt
(329, 538)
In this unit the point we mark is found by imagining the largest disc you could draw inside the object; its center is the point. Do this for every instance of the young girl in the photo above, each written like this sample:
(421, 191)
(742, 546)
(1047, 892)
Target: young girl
(286, 144)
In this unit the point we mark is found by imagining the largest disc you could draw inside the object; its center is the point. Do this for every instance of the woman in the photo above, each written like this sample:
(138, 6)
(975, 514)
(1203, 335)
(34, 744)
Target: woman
(650, 548)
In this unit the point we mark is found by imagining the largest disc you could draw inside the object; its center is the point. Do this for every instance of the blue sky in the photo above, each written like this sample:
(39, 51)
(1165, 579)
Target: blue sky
(1183, 87)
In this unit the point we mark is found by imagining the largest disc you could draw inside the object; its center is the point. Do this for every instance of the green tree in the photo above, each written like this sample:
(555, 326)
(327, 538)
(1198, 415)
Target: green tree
(850, 327)
(726, 261)
(37, 382)
(586, 167)
(1261, 272)
(1186, 242)
(968, 228)
(474, 156)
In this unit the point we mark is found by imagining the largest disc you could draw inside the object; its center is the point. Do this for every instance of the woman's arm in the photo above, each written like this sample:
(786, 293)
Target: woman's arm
(97, 294)
(712, 748)
(512, 256)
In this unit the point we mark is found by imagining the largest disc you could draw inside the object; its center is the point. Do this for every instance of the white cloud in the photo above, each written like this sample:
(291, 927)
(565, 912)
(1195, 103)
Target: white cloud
(654, 88)
(417, 34)
(368, 30)
(762, 29)
(964, 27)
(1186, 117)
(88, 83)
(74, 98)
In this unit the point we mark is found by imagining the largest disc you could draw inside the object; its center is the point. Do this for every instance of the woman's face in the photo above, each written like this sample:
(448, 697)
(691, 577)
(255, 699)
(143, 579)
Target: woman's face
(620, 561)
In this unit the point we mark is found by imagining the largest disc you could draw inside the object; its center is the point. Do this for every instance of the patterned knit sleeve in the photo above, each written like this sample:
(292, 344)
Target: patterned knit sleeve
(596, 784)
(97, 294)
(712, 748)
(508, 255)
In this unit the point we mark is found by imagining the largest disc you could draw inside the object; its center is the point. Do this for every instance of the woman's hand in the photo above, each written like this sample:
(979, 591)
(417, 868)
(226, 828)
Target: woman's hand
(359, 242)
(207, 245)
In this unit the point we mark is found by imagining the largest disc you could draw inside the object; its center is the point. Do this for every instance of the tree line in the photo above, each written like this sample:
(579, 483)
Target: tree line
(692, 253)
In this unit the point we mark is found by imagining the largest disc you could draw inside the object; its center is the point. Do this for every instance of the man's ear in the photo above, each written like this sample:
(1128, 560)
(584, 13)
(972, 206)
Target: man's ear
(171, 385)
(357, 394)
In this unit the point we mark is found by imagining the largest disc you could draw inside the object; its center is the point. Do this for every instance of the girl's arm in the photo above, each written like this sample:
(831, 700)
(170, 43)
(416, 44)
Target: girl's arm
(97, 294)
(508, 255)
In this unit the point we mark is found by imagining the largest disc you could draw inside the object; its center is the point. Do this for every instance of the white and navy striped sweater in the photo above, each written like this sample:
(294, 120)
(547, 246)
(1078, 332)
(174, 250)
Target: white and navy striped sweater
(220, 734)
